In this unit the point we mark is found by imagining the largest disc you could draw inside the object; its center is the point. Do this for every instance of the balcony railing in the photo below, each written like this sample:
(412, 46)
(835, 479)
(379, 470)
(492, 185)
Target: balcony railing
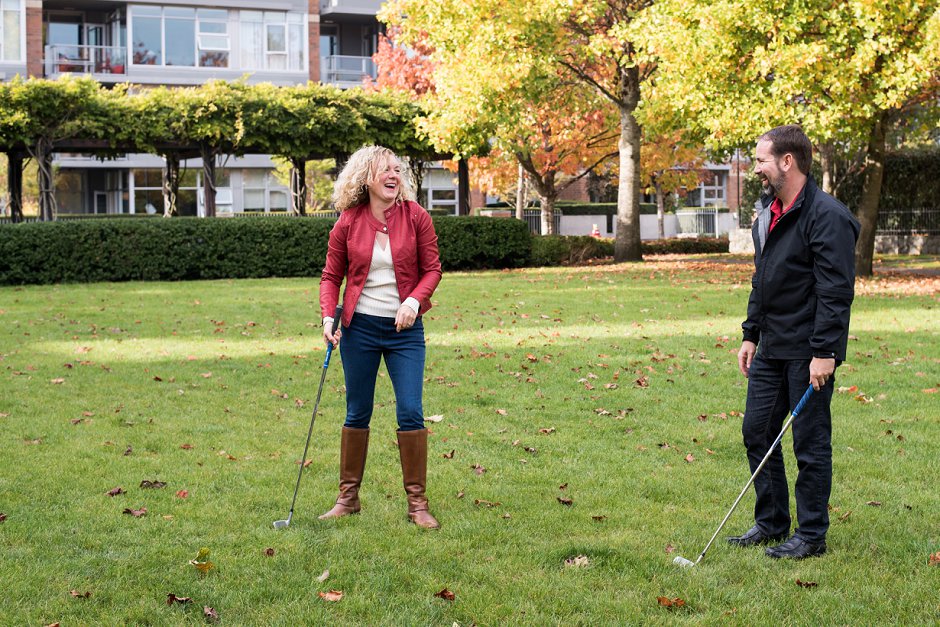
(85, 59)
(346, 71)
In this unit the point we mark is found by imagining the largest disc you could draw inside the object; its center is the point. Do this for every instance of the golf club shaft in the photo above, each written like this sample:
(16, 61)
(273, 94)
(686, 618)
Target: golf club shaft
(313, 417)
(796, 411)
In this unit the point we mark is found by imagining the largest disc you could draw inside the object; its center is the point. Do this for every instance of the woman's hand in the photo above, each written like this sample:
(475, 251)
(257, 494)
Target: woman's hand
(328, 335)
(405, 318)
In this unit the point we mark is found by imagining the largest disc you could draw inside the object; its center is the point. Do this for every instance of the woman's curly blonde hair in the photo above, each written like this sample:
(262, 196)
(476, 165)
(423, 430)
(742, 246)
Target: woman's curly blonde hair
(352, 185)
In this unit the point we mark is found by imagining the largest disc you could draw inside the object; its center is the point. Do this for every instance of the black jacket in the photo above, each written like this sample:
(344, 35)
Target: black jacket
(804, 282)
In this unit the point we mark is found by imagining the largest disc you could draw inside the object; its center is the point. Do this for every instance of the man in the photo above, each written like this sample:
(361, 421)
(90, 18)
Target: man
(798, 316)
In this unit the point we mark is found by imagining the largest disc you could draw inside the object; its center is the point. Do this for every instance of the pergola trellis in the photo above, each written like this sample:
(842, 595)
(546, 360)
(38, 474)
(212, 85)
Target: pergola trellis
(39, 118)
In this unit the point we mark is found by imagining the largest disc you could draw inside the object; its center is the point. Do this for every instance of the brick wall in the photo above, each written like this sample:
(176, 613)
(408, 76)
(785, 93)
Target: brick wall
(34, 50)
(313, 28)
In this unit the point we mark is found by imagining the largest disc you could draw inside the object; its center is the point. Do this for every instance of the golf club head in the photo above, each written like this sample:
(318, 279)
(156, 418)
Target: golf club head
(281, 524)
(679, 561)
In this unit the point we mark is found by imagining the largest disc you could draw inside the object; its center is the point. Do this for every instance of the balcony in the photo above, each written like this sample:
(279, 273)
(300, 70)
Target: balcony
(340, 8)
(346, 71)
(104, 63)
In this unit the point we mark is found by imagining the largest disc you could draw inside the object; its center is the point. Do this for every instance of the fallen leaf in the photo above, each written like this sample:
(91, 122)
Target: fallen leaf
(670, 549)
(563, 486)
(57, 381)
(642, 382)
(929, 390)
(269, 552)
(874, 503)
(80, 595)
(579, 561)
(847, 390)
(501, 412)
(136, 513)
(844, 517)
(115, 491)
(172, 598)
(128, 450)
(477, 468)
(323, 576)
(153, 485)
(182, 494)
(449, 455)
(690, 458)
(3, 517)
(565, 501)
(806, 584)
(445, 594)
(201, 562)
(186, 447)
(435, 419)
(332, 595)
(211, 615)
(486, 503)
(670, 603)
(547, 430)
(600, 518)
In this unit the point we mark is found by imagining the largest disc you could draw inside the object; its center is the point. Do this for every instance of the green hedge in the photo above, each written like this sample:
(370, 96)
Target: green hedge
(555, 250)
(685, 246)
(192, 248)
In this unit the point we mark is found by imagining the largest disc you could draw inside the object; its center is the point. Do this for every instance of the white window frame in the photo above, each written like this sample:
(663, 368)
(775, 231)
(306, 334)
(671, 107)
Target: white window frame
(445, 203)
(201, 40)
(21, 9)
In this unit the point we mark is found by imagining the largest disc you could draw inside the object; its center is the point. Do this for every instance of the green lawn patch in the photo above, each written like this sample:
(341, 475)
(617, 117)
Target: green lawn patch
(590, 433)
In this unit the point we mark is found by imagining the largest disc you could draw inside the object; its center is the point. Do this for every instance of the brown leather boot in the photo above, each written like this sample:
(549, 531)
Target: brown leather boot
(354, 445)
(413, 449)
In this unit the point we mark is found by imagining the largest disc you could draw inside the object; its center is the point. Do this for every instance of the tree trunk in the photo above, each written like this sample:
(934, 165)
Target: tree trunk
(522, 194)
(660, 209)
(171, 184)
(828, 164)
(298, 186)
(627, 242)
(417, 167)
(871, 196)
(47, 204)
(548, 213)
(208, 180)
(15, 185)
(463, 188)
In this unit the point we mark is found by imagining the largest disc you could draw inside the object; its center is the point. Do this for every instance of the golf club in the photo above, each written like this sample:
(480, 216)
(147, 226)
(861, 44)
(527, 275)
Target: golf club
(681, 561)
(282, 524)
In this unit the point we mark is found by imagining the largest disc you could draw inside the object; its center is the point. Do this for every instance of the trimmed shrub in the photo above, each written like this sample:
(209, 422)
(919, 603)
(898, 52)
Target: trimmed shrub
(468, 243)
(685, 246)
(555, 250)
(84, 251)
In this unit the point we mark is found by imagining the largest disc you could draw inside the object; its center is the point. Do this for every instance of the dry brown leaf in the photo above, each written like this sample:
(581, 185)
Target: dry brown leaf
(80, 595)
(436, 418)
(269, 552)
(670, 603)
(565, 501)
(172, 598)
(934, 559)
(182, 494)
(579, 561)
(449, 455)
(115, 491)
(332, 595)
(445, 594)
(806, 584)
(210, 614)
(136, 513)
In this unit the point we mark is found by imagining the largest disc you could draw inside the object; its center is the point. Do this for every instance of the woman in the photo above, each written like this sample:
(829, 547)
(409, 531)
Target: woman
(385, 246)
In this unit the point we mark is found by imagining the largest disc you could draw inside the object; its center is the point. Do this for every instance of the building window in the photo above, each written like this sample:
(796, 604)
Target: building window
(272, 40)
(443, 199)
(11, 30)
(179, 36)
(263, 193)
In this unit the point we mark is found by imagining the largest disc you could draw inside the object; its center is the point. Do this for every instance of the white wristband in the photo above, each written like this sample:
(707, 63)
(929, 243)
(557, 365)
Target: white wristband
(327, 320)
(413, 304)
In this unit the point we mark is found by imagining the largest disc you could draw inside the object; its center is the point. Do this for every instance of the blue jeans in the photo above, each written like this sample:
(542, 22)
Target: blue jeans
(365, 341)
(774, 387)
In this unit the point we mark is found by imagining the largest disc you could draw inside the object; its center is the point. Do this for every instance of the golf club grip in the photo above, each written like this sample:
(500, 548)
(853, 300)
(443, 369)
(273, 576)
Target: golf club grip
(803, 401)
(337, 318)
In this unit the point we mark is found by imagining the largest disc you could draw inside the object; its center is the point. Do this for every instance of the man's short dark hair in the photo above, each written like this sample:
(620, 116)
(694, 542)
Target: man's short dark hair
(790, 139)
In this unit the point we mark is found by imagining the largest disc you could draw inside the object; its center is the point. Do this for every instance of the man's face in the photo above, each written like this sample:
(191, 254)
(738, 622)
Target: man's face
(767, 168)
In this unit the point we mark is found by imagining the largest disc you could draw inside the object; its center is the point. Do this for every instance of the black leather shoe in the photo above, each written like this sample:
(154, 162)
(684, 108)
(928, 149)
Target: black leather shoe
(796, 548)
(753, 537)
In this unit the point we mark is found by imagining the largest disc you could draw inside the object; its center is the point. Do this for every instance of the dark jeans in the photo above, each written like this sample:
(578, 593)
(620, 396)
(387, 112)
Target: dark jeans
(365, 341)
(774, 388)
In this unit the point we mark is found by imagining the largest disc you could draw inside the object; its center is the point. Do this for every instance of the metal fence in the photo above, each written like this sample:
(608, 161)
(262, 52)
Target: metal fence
(533, 218)
(702, 221)
(909, 222)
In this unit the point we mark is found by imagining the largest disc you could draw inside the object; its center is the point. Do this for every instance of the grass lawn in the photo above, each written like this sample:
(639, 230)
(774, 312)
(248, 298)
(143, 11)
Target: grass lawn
(588, 412)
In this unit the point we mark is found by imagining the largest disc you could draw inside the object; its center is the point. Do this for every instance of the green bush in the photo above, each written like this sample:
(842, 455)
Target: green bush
(555, 250)
(468, 243)
(685, 246)
(83, 251)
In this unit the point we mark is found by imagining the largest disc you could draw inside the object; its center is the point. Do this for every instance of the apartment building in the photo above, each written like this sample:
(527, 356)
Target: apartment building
(162, 42)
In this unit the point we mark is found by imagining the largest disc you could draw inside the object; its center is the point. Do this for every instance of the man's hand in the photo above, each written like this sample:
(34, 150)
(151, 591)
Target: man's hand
(746, 356)
(820, 369)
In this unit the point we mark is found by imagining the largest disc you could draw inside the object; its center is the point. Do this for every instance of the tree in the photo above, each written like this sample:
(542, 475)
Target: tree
(519, 98)
(847, 71)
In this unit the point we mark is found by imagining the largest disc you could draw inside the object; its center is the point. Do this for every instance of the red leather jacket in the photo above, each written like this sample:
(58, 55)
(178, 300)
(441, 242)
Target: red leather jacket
(349, 255)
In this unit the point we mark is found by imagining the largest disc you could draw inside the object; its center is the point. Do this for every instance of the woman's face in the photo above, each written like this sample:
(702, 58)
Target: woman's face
(386, 185)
